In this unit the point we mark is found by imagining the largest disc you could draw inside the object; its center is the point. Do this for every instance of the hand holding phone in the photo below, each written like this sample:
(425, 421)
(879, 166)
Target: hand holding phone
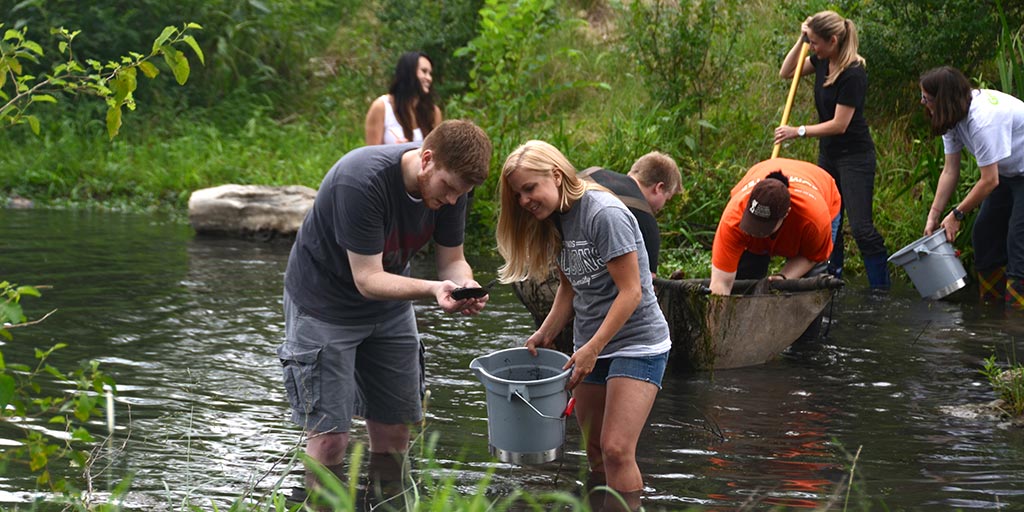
(473, 292)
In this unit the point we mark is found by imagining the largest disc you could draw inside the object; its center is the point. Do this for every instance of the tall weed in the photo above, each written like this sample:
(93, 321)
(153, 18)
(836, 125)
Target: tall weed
(1010, 55)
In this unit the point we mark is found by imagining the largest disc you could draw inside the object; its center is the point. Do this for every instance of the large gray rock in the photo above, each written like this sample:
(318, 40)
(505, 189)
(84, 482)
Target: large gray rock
(250, 211)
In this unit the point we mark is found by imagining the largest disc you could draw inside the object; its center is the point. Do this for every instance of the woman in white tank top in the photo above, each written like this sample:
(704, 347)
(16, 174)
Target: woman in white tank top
(407, 113)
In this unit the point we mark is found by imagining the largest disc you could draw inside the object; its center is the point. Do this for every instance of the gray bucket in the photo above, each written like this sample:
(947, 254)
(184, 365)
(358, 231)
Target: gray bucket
(526, 403)
(932, 265)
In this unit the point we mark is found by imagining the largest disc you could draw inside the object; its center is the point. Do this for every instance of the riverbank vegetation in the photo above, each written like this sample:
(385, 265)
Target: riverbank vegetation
(286, 85)
(1008, 384)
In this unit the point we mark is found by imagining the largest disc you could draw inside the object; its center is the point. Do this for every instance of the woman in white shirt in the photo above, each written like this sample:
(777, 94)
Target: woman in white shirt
(990, 124)
(407, 113)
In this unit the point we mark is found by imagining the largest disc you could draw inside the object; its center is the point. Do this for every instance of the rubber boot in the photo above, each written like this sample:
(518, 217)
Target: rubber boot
(387, 482)
(992, 286)
(625, 501)
(595, 497)
(877, 269)
(1015, 293)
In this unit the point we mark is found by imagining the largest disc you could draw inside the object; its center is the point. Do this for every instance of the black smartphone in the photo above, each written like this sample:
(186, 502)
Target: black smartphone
(472, 293)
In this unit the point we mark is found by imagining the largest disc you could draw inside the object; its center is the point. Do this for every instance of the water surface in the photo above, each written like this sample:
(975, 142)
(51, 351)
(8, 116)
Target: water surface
(188, 328)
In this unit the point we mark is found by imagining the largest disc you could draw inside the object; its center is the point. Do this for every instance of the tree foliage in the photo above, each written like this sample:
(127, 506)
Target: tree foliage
(254, 48)
(903, 38)
(114, 81)
(510, 79)
(673, 42)
(436, 28)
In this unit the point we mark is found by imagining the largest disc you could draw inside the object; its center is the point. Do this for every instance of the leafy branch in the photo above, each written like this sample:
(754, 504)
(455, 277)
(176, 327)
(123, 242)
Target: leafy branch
(24, 401)
(11, 314)
(114, 81)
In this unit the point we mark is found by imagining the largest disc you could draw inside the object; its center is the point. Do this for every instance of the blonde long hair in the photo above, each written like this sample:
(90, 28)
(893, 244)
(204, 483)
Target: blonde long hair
(528, 245)
(826, 24)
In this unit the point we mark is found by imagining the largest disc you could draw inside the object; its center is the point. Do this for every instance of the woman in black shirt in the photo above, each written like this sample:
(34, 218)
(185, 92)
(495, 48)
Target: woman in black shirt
(845, 148)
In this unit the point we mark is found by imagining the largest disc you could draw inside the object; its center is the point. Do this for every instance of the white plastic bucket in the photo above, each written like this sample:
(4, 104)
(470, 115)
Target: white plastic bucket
(932, 265)
(526, 403)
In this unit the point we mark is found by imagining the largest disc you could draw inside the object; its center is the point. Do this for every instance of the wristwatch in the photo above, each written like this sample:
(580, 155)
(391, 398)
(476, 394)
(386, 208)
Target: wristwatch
(958, 215)
(801, 131)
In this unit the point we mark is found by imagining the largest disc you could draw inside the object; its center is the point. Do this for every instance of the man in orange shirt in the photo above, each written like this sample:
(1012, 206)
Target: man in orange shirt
(781, 207)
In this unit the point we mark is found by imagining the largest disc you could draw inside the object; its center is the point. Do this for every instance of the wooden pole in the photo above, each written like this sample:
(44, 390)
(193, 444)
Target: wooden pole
(792, 91)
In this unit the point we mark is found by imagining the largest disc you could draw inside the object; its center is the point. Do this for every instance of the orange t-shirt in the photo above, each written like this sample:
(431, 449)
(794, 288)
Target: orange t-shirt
(807, 230)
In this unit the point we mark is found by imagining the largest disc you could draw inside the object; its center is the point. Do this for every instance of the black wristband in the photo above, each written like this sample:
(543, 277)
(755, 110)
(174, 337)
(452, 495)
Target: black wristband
(958, 215)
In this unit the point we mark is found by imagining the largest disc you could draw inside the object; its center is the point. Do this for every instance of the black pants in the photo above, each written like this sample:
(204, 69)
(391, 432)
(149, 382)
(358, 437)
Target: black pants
(755, 266)
(855, 177)
(998, 236)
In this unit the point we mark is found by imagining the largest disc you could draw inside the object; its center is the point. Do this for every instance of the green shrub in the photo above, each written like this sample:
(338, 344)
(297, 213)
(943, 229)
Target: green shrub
(511, 81)
(901, 39)
(681, 50)
(31, 394)
(436, 28)
(1007, 383)
(516, 82)
(251, 45)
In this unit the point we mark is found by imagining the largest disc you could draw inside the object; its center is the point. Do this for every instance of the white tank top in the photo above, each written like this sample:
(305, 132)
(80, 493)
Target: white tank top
(393, 133)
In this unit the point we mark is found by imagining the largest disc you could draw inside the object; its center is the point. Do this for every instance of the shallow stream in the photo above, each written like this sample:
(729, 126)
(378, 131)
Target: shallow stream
(188, 328)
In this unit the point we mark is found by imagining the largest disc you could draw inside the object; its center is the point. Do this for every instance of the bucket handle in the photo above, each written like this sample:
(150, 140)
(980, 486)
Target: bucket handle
(568, 407)
(922, 250)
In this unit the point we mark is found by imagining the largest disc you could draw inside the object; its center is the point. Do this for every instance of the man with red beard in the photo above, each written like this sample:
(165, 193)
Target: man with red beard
(351, 347)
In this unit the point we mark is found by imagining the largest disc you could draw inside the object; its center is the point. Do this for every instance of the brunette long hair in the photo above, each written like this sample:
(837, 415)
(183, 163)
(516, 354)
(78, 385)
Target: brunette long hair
(407, 91)
(951, 97)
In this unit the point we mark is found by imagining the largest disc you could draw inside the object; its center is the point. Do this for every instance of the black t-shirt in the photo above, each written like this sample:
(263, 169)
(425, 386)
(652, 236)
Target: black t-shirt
(624, 186)
(849, 89)
(362, 206)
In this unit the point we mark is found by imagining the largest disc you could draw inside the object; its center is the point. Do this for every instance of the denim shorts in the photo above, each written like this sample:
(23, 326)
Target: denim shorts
(646, 369)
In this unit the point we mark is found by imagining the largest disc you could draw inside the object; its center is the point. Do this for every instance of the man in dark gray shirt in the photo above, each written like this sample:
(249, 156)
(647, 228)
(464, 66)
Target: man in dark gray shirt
(351, 345)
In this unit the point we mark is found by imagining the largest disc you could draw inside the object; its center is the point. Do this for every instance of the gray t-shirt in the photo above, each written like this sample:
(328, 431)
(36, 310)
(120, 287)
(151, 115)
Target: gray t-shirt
(362, 206)
(599, 228)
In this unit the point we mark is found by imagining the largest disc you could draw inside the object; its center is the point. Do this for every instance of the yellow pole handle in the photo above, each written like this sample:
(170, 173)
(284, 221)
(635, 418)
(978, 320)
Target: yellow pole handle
(792, 91)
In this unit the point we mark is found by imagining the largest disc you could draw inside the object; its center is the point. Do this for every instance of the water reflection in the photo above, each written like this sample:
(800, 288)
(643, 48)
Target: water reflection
(188, 326)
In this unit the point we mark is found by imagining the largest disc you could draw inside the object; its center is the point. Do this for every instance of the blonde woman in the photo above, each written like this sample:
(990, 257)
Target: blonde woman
(845, 147)
(621, 339)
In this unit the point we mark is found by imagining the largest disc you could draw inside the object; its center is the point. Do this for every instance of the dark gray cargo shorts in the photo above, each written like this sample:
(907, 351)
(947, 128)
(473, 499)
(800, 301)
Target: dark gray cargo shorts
(334, 372)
